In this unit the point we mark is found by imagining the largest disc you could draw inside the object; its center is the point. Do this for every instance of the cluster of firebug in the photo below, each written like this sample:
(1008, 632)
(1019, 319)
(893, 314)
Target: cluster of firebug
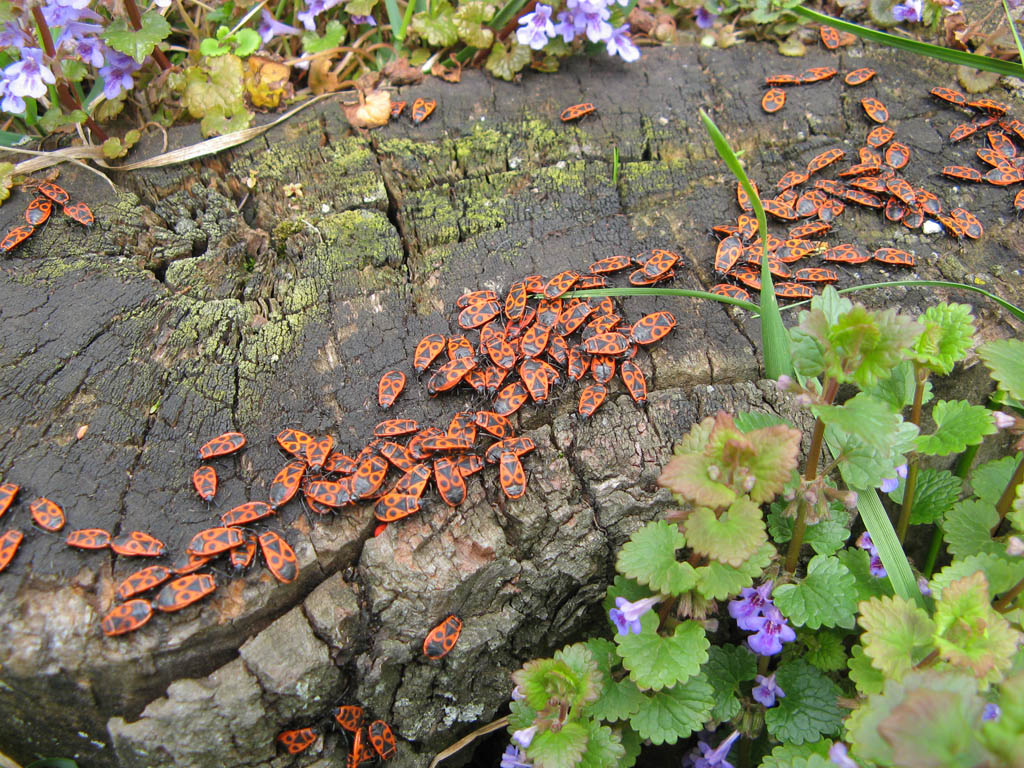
(421, 109)
(39, 210)
(1002, 132)
(369, 740)
(872, 182)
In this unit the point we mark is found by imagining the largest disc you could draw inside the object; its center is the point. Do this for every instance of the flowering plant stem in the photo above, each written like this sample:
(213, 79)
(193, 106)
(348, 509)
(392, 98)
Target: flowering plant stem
(136, 19)
(811, 472)
(920, 379)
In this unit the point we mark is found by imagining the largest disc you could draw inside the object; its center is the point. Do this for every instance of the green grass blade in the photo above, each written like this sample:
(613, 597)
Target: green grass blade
(883, 536)
(961, 58)
(774, 337)
(394, 17)
(615, 166)
(11, 139)
(506, 14)
(1013, 28)
(677, 292)
(1013, 309)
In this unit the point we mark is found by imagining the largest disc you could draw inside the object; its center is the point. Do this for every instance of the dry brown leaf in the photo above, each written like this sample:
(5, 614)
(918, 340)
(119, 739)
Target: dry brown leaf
(321, 79)
(399, 72)
(375, 112)
(452, 75)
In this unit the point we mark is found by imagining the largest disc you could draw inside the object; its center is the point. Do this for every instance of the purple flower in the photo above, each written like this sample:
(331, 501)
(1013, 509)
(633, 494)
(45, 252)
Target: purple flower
(838, 755)
(991, 711)
(356, 18)
(705, 20)
(626, 615)
(594, 24)
(513, 758)
(620, 43)
(1003, 420)
(908, 11)
(890, 484)
(29, 76)
(10, 103)
(13, 36)
(117, 74)
(713, 758)
(751, 605)
(313, 9)
(772, 631)
(517, 694)
(271, 27)
(767, 690)
(92, 50)
(566, 27)
(536, 28)
(876, 568)
(864, 542)
(922, 586)
(1014, 4)
(524, 736)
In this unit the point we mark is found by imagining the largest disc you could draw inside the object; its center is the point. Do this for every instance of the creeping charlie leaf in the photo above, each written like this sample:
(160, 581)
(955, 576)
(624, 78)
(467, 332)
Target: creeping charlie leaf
(604, 746)
(619, 698)
(674, 714)
(470, 19)
(1005, 359)
(507, 62)
(556, 749)
(957, 425)
(437, 28)
(826, 596)
(897, 634)
(727, 667)
(655, 661)
(717, 581)
(937, 491)
(810, 708)
(947, 337)
(650, 557)
(120, 36)
(731, 537)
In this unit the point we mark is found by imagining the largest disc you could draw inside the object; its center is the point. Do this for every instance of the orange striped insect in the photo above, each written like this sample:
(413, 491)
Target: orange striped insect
(651, 328)
(591, 398)
(88, 538)
(732, 291)
(961, 172)
(38, 211)
(213, 541)
(246, 513)
(389, 388)
(847, 253)
(47, 514)
(893, 256)
(510, 399)
(783, 79)
(450, 374)
(793, 291)
(830, 37)
(968, 222)
(950, 95)
(361, 751)
(204, 480)
(422, 109)
(9, 543)
(318, 451)
(560, 283)
(815, 275)
(286, 483)
(15, 237)
(280, 557)
(879, 135)
(242, 557)
(396, 108)
(897, 155)
(80, 212)
(859, 76)
(294, 441)
(773, 100)
(182, 592)
(576, 111)
(143, 580)
(187, 563)
(729, 252)
(369, 477)
(394, 427)
(297, 740)
(609, 264)
(520, 446)
(394, 506)
(7, 493)
(340, 463)
(382, 739)
(442, 638)
(511, 475)
(126, 617)
(331, 493)
(222, 445)
(817, 74)
(348, 716)
(54, 192)
(962, 131)
(874, 109)
(451, 486)
(427, 350)
(137, 544)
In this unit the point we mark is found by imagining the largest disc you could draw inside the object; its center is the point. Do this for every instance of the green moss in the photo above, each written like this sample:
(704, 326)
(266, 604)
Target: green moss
(485, 151)
(418, 165)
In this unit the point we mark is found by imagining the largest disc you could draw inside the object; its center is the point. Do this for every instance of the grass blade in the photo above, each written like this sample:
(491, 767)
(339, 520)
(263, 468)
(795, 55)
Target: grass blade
(961, 58)
(11, 139)
(774, 337)
(1013, 28)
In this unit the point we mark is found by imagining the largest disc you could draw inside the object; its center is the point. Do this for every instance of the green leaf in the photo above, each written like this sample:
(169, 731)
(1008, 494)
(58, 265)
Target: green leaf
(674, 714)
(558, 749)
(212, 48)
(823, 648)
(507, 62)
(438, 30)
(926, 730)
(947, 337)
(937, 491)
(74, 71)
(1005, 359)
(969, 633)
(858, 563)
(825, 537)
(650, 557)
(967, 528)
(807, 755)
(632, 743)
(224, 120)
(727, 667)
(897, 634)
(360, 7)
(120, 36)
(247, 42)
(334, 35)
(534, 678)
(897, 389)
(825, 597)
(690, 476)
(1001, 571)
(748, 422)
(717, 581)
(730, 538)
(604, 748)
(810, 709)
(521, 715)
(759, 462)
(571, 678)
(619, 698)
(957, 425)
(864, 462)
(989, 480)
(865, 417)
(863, 673)
(586, 678)
(470, 19)
(655, 661)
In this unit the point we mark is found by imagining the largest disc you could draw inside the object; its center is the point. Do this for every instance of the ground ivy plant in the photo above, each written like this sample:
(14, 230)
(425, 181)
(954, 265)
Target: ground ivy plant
(758, 624)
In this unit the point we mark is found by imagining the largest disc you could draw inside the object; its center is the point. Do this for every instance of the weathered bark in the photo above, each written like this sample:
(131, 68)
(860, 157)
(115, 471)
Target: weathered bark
(205, 299)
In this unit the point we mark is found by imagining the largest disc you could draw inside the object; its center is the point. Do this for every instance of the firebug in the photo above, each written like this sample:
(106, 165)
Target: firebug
(204, 480)
(222, 445)
(47, 514)
(280, 557)
(442, 638)
(88, 538)
(126, 617)
(184, 591)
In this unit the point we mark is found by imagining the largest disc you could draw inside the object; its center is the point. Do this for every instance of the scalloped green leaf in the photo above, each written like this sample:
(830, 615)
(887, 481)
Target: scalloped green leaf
(864, 465)
(586, 678)
(957, 425)
(360, 7)
(937, 491)
(674, 714)
(825, 537)
(558, 749)
(656, 661)
(897, 634)
(619, 698)
(863, 673)
(334, 35)
(717, 581)
(140, 43)
(534, 677)
(858, 563)
(823, 648)
(897, 389)
(810, 709)
(1005, 359)
(826, 596)
(726, 668)
(807, 755)
(604, 747)
(967, 528)
(748, 421)
(731, 537)
(988, 480)
(507, 62)
(867, 418)
(1001, 570)
(759, 462)
(470, 18)
(437, 28)
(690, 476)
(947, 337)
(650, 557)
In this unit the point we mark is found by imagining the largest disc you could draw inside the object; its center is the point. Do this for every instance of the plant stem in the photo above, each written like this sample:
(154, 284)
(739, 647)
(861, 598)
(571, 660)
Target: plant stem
(67, 99)
(810, 473)
(762, 664)
(960, 469)
(1009, 493)
(1006, 601)
(909, 488)
(136, 20)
